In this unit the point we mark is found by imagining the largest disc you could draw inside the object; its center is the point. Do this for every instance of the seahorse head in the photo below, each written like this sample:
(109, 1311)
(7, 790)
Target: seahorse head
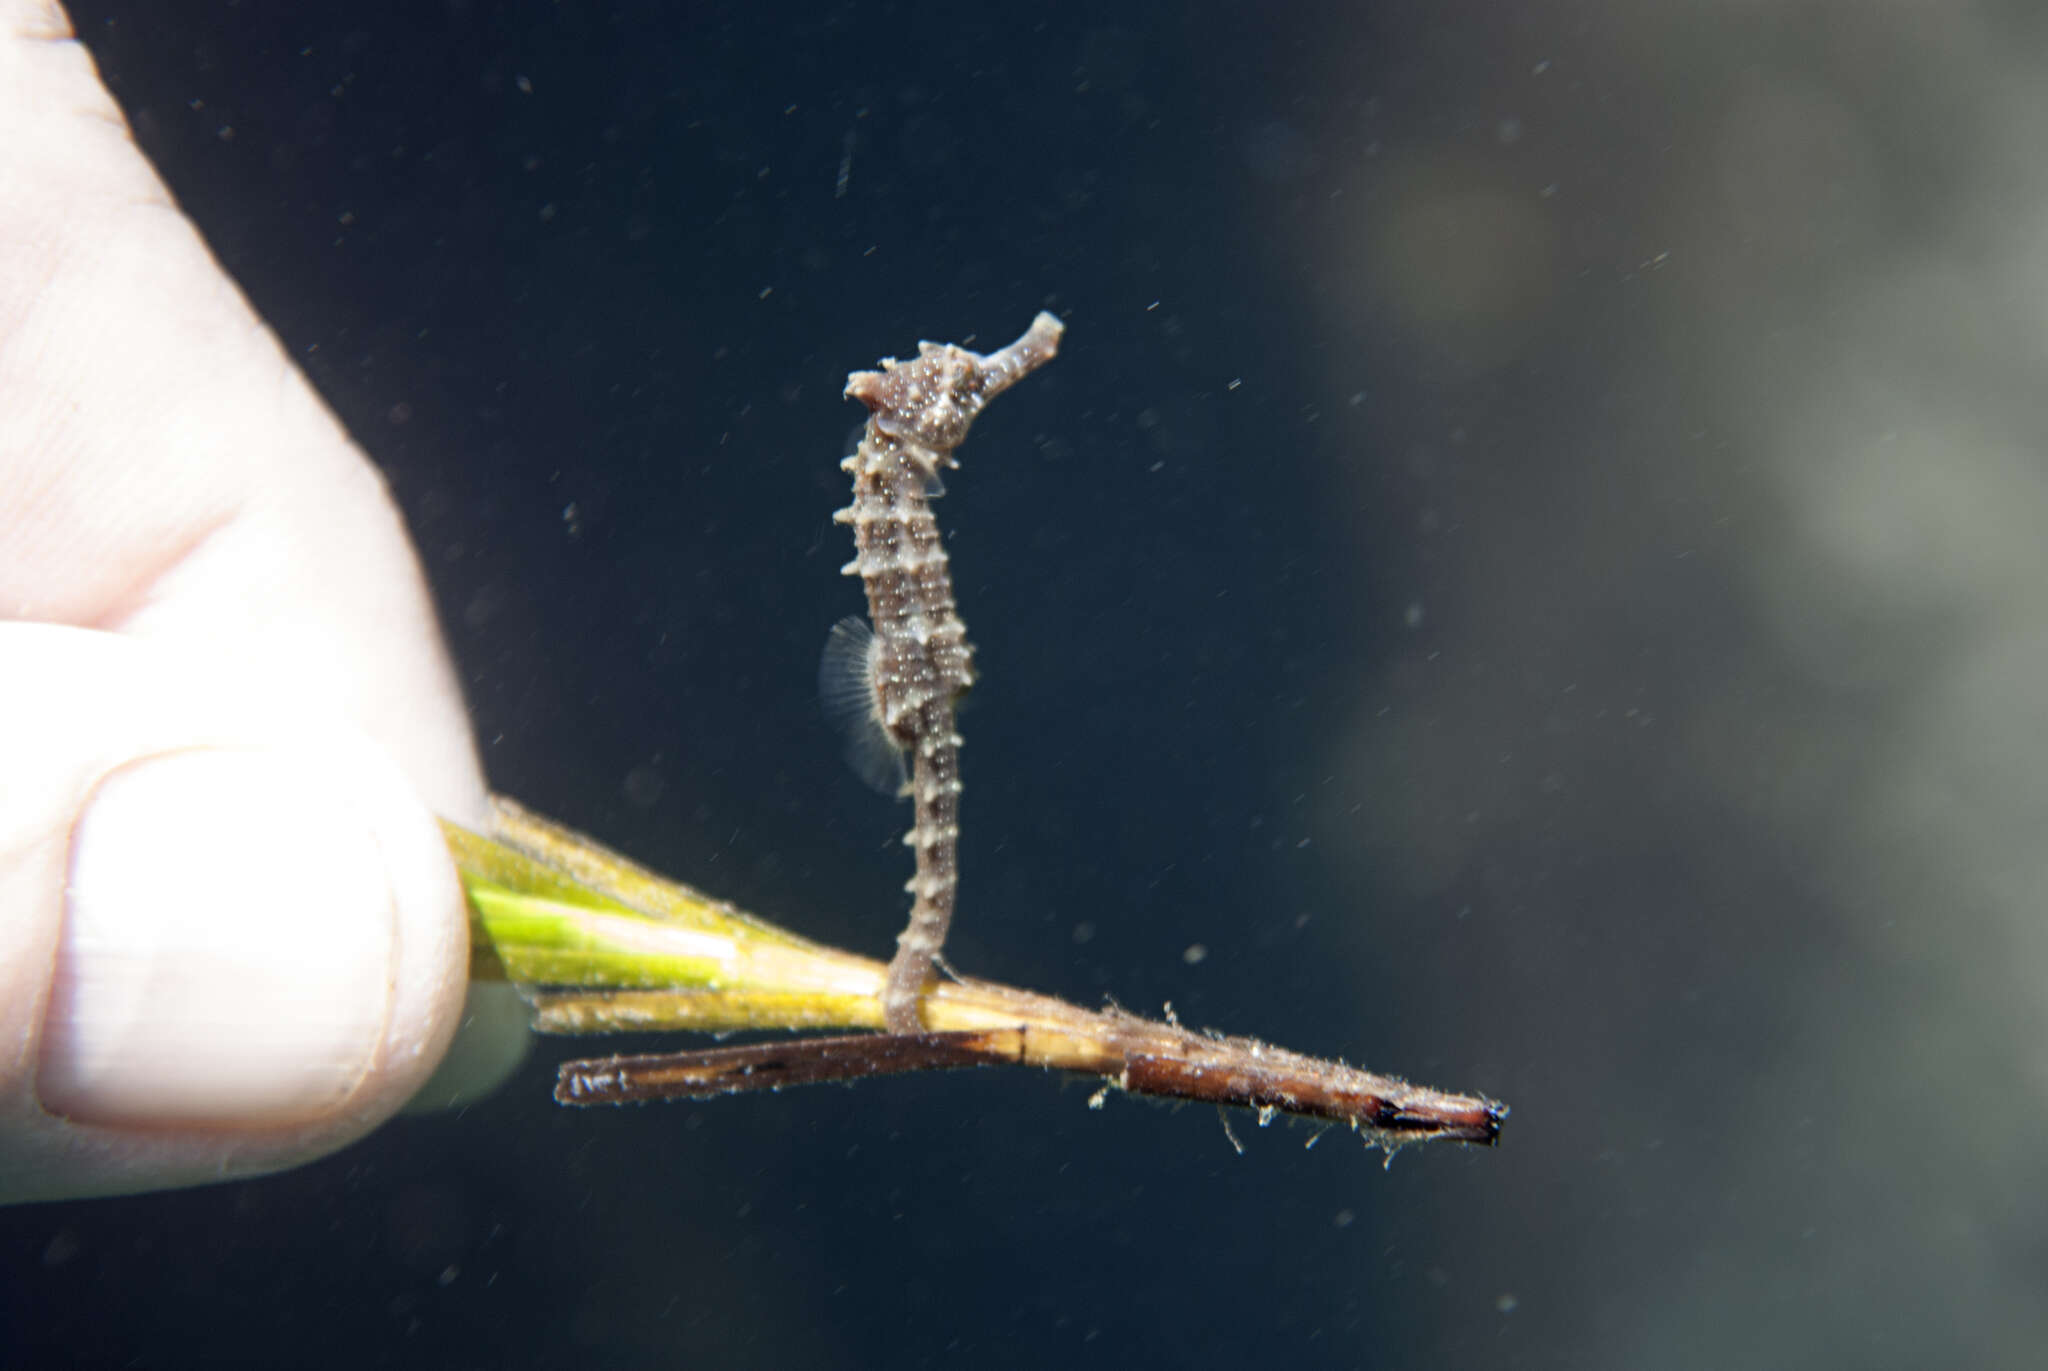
(927, 402)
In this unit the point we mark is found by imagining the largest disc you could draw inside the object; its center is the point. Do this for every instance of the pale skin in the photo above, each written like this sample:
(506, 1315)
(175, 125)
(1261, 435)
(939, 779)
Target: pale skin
(218, 667)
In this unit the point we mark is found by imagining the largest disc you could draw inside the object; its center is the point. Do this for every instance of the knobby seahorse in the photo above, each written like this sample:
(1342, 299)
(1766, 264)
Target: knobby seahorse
(896, 684)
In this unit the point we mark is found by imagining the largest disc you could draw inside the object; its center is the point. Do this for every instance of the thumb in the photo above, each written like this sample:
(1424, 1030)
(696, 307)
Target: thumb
(230, 937)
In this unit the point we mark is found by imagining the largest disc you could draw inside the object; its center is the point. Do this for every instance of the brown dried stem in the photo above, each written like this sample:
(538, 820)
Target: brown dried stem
(606, 946)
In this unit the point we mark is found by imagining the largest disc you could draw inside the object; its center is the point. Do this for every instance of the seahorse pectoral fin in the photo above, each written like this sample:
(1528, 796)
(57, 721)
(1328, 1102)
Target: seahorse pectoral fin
(853, 702)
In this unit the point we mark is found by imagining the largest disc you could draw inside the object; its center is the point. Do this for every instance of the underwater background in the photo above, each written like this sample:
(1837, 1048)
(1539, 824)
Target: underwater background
(1528, 573)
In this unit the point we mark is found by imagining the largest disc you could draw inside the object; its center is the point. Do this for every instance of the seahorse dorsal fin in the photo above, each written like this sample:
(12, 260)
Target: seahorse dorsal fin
(853, 702)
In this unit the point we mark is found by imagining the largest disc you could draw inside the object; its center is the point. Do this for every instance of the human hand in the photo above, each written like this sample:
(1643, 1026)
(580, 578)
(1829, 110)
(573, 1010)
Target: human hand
(231, 939)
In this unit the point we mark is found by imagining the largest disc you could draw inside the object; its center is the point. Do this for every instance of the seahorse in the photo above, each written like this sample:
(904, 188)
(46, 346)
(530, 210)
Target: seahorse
(896, 685)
